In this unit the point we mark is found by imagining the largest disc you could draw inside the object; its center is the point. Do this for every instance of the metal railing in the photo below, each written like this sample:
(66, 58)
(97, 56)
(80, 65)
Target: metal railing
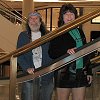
(7, 12)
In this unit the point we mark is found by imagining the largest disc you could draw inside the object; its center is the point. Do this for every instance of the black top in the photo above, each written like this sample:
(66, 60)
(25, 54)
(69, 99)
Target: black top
(59, 46)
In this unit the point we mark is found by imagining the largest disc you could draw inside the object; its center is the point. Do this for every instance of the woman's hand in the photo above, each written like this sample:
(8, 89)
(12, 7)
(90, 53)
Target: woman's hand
(89, 78)
(71, 51)
(30, 70)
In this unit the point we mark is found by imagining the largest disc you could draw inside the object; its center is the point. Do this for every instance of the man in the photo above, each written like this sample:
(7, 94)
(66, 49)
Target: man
(40, 88)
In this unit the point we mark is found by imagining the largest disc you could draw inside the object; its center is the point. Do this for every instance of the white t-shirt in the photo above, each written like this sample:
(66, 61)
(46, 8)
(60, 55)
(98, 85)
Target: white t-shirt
(37, 52)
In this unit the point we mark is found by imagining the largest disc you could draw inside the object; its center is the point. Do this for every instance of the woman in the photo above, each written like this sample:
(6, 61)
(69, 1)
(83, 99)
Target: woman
(74, 77)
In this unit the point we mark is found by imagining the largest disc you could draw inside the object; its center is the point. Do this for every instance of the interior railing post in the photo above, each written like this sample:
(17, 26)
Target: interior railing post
(13, 74)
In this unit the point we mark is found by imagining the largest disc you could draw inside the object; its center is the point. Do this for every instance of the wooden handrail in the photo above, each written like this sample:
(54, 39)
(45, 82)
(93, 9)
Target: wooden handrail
(64, 60)
(51, 35)
(6, 6)
(96, 59)
(60, 62)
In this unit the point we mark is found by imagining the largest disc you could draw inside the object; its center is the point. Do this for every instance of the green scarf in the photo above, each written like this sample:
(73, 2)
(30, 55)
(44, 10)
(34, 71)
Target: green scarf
(76, 36)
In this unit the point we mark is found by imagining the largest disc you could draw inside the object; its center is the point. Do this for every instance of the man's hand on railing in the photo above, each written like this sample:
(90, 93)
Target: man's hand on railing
(30, 70)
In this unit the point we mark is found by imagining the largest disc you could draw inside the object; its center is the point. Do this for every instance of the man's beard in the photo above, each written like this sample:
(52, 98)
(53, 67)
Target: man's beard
(34, 27)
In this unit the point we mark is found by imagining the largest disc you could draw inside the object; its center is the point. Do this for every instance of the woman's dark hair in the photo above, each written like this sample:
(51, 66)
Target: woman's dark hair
(66, 7)
(43, 29)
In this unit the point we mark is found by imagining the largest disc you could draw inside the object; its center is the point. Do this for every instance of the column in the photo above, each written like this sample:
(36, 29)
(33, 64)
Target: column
(27, 7)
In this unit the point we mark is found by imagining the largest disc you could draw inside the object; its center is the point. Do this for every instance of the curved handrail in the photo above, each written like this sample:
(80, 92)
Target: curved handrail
(12, 15)
(51, 35)
(6, 6)
(64, 60)
(60, 62)
(96, 59)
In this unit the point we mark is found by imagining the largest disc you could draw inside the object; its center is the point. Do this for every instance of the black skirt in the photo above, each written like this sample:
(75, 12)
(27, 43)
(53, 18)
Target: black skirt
(67, 79)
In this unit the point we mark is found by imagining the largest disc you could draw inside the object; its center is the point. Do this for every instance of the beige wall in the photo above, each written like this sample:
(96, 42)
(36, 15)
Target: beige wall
(8, 34)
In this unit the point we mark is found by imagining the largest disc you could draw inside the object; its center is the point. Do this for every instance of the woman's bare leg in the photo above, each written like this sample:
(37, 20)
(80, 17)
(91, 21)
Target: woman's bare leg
(63, 93)
(78, 93)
